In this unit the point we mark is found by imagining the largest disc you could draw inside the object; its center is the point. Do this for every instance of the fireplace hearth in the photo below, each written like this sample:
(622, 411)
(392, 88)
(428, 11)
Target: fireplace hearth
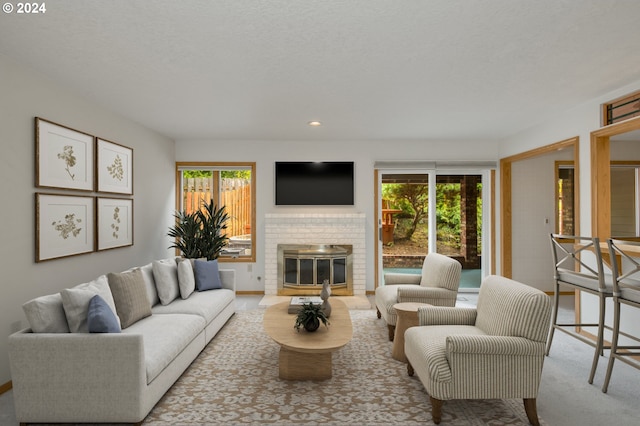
(302, 269)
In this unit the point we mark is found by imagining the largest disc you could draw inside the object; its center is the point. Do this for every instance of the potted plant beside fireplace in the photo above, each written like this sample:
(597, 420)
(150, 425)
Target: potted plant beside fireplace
(310, 316)
(200, 234)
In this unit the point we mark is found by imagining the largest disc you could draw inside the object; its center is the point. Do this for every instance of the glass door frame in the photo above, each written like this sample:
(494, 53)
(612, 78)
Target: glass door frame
(432, 173)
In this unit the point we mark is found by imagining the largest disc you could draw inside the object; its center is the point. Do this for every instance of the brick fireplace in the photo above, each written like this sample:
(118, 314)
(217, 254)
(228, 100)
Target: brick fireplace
(301, 229)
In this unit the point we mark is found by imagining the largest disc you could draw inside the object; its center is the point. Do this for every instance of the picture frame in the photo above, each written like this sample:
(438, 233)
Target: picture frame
(65, 226)
(114, 167)
(64, 157)
(115, 222)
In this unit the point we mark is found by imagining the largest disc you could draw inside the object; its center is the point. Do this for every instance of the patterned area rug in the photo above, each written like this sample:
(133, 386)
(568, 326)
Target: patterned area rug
(235, 381)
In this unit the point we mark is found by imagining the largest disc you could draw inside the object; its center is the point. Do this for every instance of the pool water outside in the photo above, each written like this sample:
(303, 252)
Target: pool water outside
(470, 278)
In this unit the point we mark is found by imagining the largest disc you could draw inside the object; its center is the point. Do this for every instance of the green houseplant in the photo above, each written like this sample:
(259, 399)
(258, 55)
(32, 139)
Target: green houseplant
(200, 234)
(310, 316)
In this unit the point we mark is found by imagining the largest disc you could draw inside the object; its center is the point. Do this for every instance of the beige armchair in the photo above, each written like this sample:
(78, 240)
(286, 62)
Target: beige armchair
(438, 285)
(495, 351)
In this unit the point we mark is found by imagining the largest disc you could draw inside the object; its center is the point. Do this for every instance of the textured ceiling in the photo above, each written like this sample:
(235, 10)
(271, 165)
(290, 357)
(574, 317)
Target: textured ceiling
(368, 69)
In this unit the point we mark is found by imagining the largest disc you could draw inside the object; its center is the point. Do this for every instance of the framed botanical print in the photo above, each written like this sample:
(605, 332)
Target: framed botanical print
(115, 223)
(64, 225)
(64, 157)
(114, 167)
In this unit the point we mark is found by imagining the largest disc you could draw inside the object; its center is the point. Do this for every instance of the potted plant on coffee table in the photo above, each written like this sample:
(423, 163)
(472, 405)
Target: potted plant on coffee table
(310, 316)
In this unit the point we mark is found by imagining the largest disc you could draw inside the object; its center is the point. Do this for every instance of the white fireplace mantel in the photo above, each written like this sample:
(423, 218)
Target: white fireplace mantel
(315, 228)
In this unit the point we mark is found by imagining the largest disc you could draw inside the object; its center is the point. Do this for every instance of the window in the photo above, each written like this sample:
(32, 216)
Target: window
(621, 109)
(625, 209)
(228, 184)
(565, 199)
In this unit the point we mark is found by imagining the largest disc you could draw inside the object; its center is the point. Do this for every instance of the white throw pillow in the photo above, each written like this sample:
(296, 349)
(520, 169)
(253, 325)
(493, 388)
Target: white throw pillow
(186, 279)
(76, 300)
(165, 274)
(46, 314)
(147, 273)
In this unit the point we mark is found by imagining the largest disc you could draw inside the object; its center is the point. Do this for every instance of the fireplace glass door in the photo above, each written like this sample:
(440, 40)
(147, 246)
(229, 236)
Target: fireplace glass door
(314, 271)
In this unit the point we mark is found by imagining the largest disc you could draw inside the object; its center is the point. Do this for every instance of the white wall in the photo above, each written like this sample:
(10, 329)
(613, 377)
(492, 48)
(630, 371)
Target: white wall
(579, 121)
(533, 199)
(25, 95)
(363, 153)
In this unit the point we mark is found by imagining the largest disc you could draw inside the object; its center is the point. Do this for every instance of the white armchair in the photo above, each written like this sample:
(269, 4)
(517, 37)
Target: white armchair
(438, 285)
(493, 351)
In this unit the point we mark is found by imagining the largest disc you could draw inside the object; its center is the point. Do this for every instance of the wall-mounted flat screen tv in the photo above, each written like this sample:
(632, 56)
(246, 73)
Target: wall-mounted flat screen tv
(329, 183)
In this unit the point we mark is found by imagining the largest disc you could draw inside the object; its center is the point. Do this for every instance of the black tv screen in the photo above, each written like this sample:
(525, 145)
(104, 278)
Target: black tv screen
(314, 183)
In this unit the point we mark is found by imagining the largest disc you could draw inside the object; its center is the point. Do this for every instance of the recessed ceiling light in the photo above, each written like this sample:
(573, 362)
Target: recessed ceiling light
(315, 123)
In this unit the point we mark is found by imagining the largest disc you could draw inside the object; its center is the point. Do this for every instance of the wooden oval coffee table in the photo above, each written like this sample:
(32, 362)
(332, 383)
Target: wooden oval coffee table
(304, 355)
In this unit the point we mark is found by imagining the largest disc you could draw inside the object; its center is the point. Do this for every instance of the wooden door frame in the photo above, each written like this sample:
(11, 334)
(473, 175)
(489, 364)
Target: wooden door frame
(377, 228)
(506, 199)
(601, 175)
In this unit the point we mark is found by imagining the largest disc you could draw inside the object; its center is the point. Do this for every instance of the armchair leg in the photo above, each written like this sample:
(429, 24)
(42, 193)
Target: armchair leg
(554, 318)
(392, 331)
(378, 313)
(531, 410)
(436, 410)
(410, 370)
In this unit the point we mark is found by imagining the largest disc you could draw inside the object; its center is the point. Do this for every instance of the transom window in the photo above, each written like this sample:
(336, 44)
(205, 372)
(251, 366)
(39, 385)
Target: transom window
(228, 184)
(621, 109)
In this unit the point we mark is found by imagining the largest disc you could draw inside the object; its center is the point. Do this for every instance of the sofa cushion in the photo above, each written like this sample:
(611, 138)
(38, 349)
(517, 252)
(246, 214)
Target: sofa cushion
(186, 279)
(100, 317)
(75, 301)
(165, 274)
(207, 275)
(130, 296)
(165, 337)
(206, 304)
(46, 314)
(147, 272)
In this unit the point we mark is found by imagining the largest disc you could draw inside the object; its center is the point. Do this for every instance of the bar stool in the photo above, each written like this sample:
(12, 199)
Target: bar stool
(578, 264)
(626, 291)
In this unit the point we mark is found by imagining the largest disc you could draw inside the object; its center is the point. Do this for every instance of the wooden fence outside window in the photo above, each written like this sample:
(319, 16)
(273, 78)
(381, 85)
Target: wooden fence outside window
(235, 194)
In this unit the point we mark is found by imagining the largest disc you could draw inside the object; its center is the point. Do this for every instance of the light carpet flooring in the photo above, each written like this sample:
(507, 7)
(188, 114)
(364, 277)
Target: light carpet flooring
(234, 382)
(565, 397)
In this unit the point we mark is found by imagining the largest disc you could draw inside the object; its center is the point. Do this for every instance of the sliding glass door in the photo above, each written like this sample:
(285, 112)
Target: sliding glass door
(426, 211)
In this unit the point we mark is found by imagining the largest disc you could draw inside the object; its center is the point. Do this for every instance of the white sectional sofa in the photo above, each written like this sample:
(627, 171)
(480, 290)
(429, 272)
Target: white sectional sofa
(62, 373)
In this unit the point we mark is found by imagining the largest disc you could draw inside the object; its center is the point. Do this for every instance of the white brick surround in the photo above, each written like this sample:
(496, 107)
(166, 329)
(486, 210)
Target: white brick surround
(303, 228)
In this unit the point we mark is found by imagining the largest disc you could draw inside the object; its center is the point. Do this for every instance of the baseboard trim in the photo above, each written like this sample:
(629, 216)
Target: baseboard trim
(562, 293)
(6, 387)
(250, 292)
